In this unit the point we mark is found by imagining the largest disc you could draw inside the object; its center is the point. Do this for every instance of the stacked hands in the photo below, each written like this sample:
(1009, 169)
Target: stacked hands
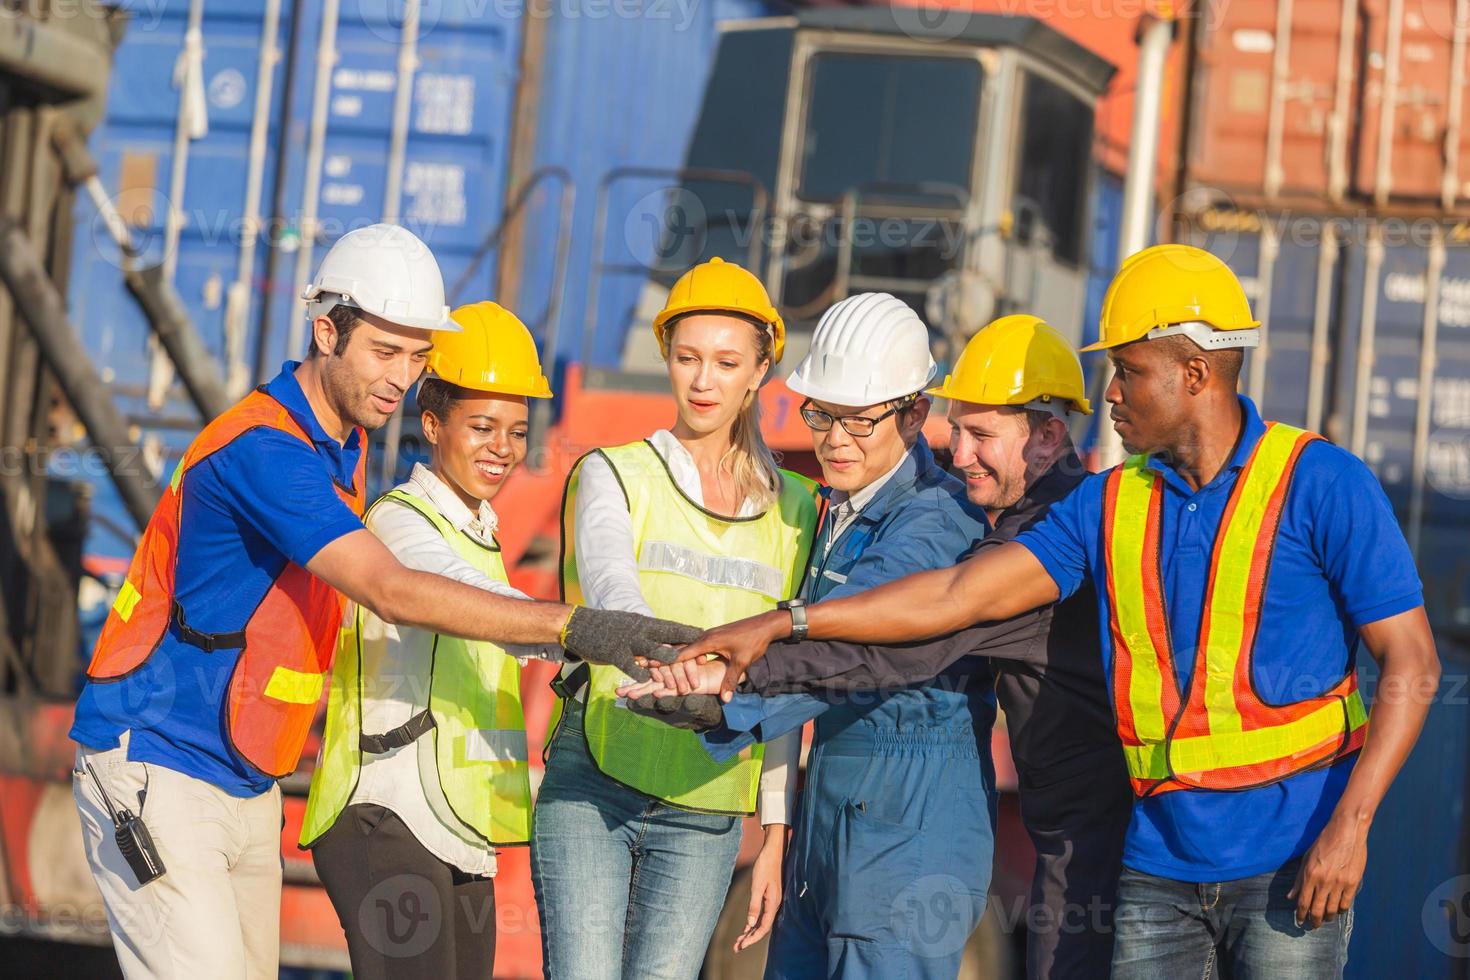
(684, 685)
(675, 670)
(681, 693)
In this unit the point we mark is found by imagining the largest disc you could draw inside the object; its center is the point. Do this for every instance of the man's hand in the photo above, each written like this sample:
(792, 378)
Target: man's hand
(694, 713)
(1331, 872)
(683, 677)
(363, 569)
(621, 639)
(740, 644)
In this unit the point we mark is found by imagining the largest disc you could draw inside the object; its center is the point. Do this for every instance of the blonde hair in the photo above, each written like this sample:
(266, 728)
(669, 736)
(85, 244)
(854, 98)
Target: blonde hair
(750, 461)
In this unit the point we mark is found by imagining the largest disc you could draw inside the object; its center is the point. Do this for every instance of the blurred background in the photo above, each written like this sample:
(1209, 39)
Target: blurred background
(172, 170)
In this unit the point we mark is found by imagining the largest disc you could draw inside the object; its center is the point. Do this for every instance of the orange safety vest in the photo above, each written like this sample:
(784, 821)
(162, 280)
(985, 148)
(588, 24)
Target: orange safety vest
(284, 650)
(1223, 736)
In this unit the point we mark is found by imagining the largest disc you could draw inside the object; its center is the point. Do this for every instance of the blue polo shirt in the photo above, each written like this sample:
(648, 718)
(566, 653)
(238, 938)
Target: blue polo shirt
(1340, 562)
(264, 500)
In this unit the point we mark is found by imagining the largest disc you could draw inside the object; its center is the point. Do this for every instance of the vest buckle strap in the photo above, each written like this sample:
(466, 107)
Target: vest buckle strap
(568, 686)
(208, 642)
(406, 733)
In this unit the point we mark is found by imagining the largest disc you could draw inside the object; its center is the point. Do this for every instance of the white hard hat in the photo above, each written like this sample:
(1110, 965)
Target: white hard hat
(867, 349)
(384, 270)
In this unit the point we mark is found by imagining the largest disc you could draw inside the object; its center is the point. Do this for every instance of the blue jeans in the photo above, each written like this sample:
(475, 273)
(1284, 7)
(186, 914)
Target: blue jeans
(627, 885)
(1244, 929)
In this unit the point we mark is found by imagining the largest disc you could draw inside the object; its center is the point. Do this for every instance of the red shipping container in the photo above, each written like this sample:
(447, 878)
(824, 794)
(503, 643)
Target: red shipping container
(1267, 98)
(1336, 101)
(1407, 122)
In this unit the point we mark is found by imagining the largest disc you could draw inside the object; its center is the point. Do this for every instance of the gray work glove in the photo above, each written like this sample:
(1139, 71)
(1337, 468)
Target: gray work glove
(691, 712)
(614, 637)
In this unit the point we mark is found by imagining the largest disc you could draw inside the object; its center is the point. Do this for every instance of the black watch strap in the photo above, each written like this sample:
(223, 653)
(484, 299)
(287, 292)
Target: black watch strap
(797, 608)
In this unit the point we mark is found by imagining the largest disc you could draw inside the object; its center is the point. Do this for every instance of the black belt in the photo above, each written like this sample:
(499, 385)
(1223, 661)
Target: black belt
(569, 686)
(208, 642)
(403, 735)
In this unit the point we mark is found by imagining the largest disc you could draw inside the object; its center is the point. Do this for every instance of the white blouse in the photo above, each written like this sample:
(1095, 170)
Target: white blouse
(608, 573)
(400, 674)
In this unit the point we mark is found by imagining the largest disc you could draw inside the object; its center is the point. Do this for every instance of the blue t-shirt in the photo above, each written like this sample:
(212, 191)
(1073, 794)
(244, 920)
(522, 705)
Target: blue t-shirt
(1340, 562)
(265, 499)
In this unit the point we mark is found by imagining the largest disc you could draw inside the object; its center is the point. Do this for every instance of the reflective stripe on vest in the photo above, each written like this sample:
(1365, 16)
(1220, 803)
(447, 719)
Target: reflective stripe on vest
(1222, 736)
(719, 570)
(699, 568)
(475, 773)
(290, 637)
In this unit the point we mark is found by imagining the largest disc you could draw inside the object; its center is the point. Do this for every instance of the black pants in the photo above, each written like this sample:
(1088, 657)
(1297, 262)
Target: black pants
(406, 913)
(1077, 820)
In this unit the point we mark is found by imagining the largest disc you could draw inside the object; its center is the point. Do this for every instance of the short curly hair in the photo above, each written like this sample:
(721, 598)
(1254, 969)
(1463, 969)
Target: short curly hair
(437, 396)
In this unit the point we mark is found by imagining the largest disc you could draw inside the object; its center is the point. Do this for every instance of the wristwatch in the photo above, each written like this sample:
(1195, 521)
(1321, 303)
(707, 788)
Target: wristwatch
(797, 608)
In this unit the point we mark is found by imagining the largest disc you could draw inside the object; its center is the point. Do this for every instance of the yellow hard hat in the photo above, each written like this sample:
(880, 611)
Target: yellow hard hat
(492, 351)
(1017, 360)
(718, 286)
(1177, 289)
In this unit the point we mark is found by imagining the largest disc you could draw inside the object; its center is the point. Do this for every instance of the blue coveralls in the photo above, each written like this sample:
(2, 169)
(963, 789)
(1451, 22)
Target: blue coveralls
(890, 864)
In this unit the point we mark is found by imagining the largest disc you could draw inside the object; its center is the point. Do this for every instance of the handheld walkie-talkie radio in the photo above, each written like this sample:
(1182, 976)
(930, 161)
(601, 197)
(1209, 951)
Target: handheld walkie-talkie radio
(133, 839)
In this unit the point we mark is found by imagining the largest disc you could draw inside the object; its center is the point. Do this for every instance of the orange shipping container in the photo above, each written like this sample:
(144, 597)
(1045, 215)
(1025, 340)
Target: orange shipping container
(1337, 101)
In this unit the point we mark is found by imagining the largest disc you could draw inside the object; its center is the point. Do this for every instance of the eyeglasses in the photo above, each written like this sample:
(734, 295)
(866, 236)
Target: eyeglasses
(853, 425)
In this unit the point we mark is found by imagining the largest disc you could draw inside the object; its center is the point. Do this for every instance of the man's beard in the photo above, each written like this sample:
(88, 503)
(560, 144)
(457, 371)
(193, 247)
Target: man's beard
(1009, 492)
(350, 400)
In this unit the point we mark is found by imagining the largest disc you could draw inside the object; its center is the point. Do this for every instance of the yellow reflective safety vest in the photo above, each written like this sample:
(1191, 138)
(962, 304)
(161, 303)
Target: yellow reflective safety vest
(1221, 736)
(700, 568)
(471, 737)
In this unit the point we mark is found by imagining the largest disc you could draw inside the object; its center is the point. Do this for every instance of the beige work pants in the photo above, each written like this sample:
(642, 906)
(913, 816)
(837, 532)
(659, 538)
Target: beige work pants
(216, 912)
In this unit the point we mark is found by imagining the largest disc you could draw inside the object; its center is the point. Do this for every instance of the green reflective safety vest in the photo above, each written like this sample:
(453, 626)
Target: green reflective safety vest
(700, 568)
(473, 762)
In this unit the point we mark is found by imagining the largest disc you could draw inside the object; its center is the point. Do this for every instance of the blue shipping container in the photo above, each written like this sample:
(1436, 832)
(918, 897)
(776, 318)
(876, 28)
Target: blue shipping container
(1327, 291)
(239, 97)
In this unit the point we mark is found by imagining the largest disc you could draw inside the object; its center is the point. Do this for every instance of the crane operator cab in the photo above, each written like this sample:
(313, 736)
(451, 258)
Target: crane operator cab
(944, 156)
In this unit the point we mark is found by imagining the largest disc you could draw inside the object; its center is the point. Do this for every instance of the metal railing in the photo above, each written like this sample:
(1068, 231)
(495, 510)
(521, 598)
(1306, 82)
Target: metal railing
(600, 266)
(845, 278)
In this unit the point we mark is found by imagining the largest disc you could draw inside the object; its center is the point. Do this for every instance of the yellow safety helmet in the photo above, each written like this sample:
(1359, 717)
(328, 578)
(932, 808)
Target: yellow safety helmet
(1018, 360)
(1177, 289)
(491, 351)
(718, 286)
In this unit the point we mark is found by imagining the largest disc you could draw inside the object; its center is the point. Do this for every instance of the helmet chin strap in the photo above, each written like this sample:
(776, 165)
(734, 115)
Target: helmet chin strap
(1208, 337)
